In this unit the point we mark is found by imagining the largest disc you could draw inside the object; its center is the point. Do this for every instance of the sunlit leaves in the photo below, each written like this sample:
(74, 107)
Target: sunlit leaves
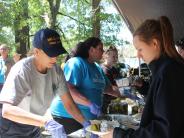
(74, 20)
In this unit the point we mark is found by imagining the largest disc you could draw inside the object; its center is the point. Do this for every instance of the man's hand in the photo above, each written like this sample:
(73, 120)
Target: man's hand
(56, 129)
(86, 124)
(95, 109)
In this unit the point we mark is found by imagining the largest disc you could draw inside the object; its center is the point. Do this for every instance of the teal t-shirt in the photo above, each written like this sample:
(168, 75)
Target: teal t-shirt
(2, 70)
(5, 66)
(89, 80)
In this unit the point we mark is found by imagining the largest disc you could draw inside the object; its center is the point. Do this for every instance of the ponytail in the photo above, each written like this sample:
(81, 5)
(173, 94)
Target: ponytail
(168, 39)
(162, 31)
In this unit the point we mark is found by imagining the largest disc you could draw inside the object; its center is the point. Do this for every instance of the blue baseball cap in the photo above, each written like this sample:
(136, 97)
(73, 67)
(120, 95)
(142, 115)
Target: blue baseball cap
(49, 41)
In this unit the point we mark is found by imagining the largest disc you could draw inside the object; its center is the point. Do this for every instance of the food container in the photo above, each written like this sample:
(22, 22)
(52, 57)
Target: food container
(122, 82)
(125, 91)
(125, 121)
(118, 108)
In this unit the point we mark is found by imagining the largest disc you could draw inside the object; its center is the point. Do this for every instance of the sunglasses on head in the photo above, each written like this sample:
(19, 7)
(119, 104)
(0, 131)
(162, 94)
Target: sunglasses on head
(111, 48)
(180, 42)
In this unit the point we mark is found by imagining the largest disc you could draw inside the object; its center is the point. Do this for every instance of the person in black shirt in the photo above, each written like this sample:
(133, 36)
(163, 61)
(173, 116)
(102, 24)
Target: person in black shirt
(110, 57)
(163, 113)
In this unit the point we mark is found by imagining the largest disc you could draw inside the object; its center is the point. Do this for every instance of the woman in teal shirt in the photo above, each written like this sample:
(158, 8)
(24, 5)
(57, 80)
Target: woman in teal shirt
(86, 82)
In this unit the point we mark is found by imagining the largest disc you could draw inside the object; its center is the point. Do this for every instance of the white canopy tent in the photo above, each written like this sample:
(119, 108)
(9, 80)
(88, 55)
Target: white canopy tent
(134, 12)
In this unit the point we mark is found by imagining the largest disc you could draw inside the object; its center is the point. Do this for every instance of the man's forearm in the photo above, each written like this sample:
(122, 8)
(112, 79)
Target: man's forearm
(19, 115)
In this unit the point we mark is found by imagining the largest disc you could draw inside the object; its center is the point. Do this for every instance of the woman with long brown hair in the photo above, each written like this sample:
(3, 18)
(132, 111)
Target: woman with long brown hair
(86, 82)
(163, 114)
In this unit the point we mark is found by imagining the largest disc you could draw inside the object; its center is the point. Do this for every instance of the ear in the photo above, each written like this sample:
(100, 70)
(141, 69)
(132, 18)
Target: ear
(36, 51)
(156, 43)
(91, 49)
(104, 56)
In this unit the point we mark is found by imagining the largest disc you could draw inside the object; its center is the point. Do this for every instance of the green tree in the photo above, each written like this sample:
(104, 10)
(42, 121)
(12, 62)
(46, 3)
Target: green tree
(21, 26)
(96, 17)
(5, 23)
(75, 20)
(54, 8)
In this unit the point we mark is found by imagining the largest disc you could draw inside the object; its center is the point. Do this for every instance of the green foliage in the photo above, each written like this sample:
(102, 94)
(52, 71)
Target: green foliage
(37, 10)
(79, 23)
(5, 14)
(5, 22)
(74, 20)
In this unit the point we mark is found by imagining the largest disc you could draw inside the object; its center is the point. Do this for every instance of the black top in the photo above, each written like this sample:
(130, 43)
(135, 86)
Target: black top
(163, 115)
(111, 73)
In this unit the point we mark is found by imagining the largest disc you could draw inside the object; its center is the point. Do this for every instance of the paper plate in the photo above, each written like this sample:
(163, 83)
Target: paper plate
(99, 133)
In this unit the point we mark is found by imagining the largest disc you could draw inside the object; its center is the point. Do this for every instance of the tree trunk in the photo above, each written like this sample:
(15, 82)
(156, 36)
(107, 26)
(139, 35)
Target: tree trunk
(96, 19)
(54, 7)
(22, 32)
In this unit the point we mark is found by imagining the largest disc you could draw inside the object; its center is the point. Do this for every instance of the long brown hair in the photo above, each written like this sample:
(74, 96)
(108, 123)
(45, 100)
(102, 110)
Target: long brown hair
(161, 30)
(82, 48)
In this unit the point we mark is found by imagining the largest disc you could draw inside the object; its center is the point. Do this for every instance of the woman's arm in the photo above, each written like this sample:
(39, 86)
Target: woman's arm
(110, 90)
(77, 96)
(71, 108)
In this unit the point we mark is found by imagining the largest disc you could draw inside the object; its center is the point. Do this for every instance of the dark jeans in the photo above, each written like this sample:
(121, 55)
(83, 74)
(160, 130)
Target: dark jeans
(1, 86)
(70, 125)
(10, 129)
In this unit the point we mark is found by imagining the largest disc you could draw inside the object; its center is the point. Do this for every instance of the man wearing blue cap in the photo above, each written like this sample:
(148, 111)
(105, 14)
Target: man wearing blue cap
(29, 89)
